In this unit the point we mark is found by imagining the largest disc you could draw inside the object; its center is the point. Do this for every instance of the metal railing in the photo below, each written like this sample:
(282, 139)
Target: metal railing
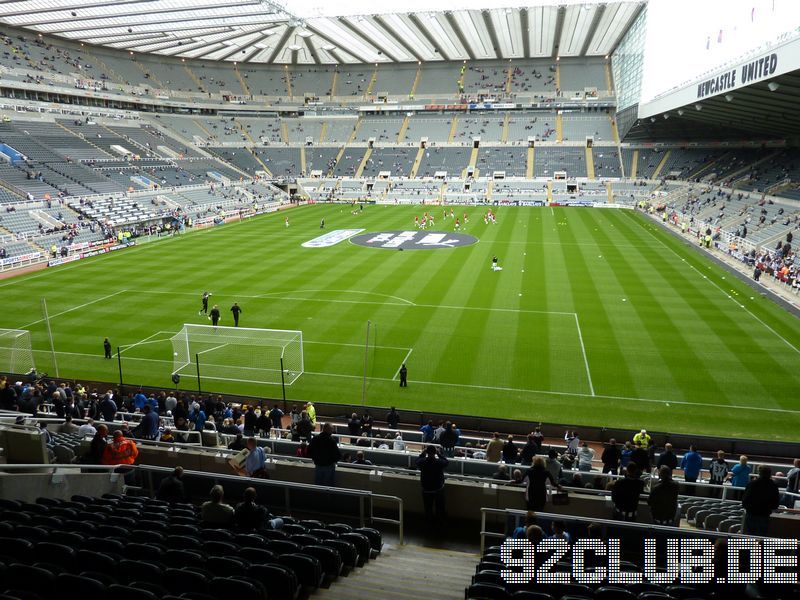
(518, 517)
(366, 500)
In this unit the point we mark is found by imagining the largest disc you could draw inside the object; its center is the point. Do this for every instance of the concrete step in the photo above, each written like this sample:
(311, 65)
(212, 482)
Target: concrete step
(407, 573)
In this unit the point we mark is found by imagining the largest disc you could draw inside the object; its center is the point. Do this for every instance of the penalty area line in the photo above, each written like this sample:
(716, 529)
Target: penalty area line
(69, 310)
(404, 361)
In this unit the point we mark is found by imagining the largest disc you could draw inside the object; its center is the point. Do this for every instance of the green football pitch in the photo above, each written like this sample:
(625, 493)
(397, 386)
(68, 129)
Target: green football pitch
(598, 317)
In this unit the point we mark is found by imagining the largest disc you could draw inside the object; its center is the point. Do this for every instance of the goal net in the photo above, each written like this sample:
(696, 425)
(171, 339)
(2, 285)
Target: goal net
(16, 354)
(238, 353)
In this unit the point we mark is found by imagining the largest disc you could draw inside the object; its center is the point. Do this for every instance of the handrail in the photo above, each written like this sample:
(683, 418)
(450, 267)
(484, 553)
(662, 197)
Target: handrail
(519, 515)
(288, 486)
(365, 498)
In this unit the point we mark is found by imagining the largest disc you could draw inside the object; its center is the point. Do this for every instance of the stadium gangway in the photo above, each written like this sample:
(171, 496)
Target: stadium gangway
(518, 516)
(366, 499)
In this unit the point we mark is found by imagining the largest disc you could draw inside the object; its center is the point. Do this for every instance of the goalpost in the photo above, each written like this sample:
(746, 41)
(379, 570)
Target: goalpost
(238, 353)
(16, 353)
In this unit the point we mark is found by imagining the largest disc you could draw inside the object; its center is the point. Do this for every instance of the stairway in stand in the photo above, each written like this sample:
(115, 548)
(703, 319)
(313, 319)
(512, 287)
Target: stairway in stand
(407, 573)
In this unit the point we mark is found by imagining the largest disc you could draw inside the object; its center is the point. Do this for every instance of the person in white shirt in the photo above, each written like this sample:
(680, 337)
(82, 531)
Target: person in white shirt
(399, 444)
(87, 428)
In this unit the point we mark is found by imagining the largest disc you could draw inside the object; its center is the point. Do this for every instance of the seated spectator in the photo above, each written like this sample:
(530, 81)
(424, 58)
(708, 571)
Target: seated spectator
(519, 532)
(534, 534)
(501, 474)
(87, 428)
(69, 426)
(251, 516)
(254, 464)
(167, 436)
(215, 511)
(364, 441)
(518, 478)
(559, 529)
(360, 460)
(171, 488)
(399, 444)
(121, 450)
(237, 443)
(385, 444)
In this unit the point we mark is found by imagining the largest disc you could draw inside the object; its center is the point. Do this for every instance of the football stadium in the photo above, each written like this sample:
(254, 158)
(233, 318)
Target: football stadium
(448, 300)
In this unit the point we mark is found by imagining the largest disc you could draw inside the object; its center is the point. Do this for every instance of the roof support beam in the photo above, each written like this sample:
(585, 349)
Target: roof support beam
(523, 23)
(487, 19)
(460, 34)
(397, 37)
(414, 19)
(598, 14)
(160, 22)
(360, 34)
(281, 43)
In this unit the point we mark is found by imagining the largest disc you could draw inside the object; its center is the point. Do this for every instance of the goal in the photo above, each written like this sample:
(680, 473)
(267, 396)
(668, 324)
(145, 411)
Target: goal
(238, 353)
(16, 354)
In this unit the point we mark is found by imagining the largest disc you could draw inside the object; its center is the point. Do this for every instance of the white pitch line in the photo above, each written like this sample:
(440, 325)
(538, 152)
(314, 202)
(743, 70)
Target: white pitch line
(487, 387)
(583, 351)
(578, 394)
(69, 310)
(405, 360)
(354, 345)
(696, 270)
(445, 306)
(146, 340)
(405, 301)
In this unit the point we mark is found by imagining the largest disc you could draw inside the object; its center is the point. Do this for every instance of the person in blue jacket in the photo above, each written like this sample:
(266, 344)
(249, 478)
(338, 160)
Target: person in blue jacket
(691, 464)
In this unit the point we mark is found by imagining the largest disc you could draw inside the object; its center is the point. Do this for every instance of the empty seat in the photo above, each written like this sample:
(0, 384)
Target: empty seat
(361, 542)
(613, 593)
(219, 548)
(79, 587)
(307, 568)
(30, 579)
(329, 558)
(487, 591)
(347, 551)
(124, 592)
(180, 581)
(57, 554)
(229, 587)
(256, 555)
(182, 542)
(280, 581)
(226, 566)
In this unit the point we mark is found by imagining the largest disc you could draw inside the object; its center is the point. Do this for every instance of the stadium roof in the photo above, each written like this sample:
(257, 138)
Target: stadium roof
(342, 31)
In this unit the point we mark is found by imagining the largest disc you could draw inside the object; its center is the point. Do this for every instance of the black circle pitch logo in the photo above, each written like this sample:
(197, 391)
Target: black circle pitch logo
(414, 240)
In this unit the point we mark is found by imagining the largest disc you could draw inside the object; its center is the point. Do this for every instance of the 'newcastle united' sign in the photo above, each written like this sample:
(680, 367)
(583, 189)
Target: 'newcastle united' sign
(414, 240)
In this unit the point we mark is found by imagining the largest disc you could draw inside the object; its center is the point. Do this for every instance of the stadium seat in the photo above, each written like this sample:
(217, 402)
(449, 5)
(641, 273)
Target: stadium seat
(323, 534)
(329, 558)
(179, 581)
(79, 587)
(226, 566)
(530, 595)
(304, 539)
(294, 529)
(307, 568)
(250, 540)
(31, 533)
(613, 593)
(493, 577)
(96, 561)
(107, 579)
(486, 591)
(219, 548)
(256, 555)
(182, 542)
(684, 592)
(575, 590)
(216, 535)
(105, 546)
(280, 581)
(124, 592)
(67, 538)
(19, 549)
(361, 542)
(138, 570)
(282, 546)
(177, 558)
(224, 588)
(374, 536)
(57, 554)
(30, 579)
(346, 550)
